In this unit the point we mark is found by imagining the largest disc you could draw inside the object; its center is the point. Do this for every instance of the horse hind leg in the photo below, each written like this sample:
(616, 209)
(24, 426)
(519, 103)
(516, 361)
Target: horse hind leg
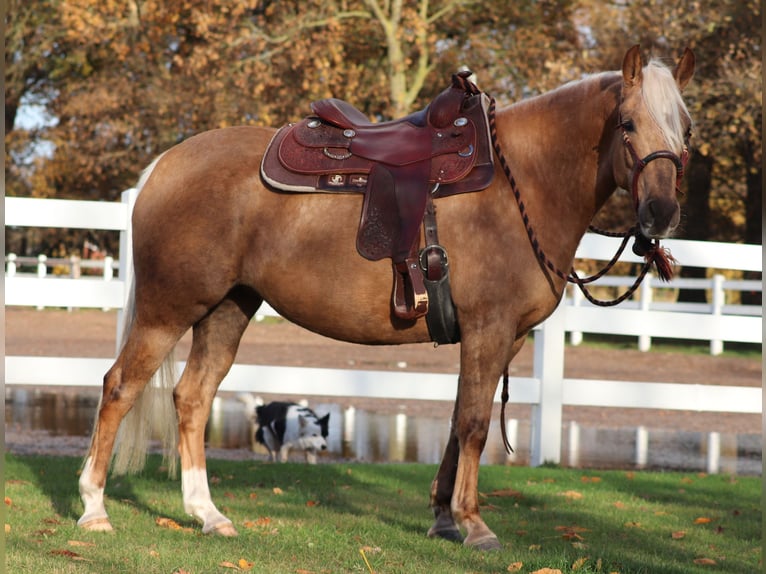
(214, 346)
(444, 525)
(141, 356)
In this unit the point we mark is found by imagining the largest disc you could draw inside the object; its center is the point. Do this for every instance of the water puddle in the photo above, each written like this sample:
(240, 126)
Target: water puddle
(362, 435)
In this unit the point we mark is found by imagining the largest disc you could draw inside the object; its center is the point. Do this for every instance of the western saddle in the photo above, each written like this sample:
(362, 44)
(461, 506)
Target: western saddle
(400, 165)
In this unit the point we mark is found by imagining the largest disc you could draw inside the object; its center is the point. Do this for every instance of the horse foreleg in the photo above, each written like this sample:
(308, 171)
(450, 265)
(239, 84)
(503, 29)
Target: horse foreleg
(138, 360)
(214, 346)
(481, 366)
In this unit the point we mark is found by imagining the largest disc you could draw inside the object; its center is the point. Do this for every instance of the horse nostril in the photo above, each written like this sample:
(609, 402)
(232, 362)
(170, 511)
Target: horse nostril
(324, 447)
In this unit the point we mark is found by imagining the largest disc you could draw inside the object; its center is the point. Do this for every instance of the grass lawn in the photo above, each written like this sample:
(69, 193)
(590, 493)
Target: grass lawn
(294, 518)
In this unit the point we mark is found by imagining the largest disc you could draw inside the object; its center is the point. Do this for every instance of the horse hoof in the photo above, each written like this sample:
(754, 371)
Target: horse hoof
(485, 543)
(451, 534)
(224, 529)
(97, 525)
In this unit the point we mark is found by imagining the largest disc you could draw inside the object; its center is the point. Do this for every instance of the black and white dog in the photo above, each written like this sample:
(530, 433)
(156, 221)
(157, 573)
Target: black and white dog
(285, 425)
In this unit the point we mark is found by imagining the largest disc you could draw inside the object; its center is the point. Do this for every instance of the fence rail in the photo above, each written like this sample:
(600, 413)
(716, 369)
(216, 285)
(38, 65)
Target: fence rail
(547, 391)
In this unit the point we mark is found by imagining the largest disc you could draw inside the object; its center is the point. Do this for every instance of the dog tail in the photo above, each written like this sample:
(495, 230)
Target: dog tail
(251, 403)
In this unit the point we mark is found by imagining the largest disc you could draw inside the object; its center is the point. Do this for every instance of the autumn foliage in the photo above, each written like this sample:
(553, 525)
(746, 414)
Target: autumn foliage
(120, 82)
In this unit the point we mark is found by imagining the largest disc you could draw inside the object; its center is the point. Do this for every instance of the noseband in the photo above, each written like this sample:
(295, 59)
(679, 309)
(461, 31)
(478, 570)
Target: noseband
(640, 163)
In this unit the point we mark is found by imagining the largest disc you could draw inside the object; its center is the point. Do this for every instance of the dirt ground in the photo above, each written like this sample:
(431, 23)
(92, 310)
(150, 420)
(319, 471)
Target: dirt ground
(91, 333)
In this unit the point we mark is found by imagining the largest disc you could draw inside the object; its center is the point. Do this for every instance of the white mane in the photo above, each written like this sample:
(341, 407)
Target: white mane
(664, 103)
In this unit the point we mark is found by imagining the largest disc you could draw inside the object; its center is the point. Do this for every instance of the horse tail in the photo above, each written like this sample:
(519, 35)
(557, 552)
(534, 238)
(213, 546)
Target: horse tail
(154, 409)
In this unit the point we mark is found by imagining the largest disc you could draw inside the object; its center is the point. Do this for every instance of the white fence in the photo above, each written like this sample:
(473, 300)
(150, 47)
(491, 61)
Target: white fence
(547, 390)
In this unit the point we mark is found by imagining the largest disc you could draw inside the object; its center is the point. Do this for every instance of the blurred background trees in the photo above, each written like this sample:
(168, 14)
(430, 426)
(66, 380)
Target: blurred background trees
(95, 89)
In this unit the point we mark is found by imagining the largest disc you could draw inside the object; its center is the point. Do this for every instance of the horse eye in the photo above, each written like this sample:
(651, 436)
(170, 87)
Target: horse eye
(628, 126)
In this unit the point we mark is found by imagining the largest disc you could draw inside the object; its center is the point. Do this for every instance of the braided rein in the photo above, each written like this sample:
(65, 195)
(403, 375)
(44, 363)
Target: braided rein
(649, 249)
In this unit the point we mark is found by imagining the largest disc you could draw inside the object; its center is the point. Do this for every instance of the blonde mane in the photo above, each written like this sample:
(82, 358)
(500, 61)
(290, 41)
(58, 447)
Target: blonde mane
(664, 103)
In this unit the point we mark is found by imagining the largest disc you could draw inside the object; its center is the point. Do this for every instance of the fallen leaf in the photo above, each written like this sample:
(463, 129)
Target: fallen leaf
(577, 564)
(573, 528)
(705, 561)
(68, 554)
(506, 493)
(311, 503)
(277, 490)
(590, 479)
(7, 528)
(80, 543)
(630, 475)
(226, 564)
(515, 567)
(547, 571)
(259, 522)
(632, 524)
(8, 501)
(253, 495)
(571, 494)
(582, 546)
(244, 564)
(619, 504)
(229, 495)
(702, 520)
(534, 547)
(371, 549)
(171, 524)
(677, 535)
(154, 554)
(687, 480)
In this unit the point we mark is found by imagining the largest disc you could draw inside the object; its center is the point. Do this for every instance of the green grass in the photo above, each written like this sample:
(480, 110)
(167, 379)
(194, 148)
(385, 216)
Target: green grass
(571, 520)
(662, 345)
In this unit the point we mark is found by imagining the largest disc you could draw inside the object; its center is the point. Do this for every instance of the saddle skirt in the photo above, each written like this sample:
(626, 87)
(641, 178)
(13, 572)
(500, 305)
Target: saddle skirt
(441, 150)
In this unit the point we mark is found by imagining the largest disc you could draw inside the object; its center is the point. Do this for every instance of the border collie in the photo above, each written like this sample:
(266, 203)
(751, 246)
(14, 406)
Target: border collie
(286, 425)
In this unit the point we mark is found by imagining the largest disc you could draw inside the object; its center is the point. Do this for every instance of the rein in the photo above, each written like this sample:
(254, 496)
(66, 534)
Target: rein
(647, 248)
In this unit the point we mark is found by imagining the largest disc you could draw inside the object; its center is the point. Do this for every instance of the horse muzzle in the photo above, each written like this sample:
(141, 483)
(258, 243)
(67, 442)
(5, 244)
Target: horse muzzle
(658, 214)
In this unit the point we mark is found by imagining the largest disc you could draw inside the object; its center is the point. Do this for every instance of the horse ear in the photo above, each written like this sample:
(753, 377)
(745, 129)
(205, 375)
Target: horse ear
(685, 69)
(631, 67)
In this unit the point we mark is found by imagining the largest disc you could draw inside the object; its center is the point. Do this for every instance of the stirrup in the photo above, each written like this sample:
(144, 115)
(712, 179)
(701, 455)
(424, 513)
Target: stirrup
(410, 298)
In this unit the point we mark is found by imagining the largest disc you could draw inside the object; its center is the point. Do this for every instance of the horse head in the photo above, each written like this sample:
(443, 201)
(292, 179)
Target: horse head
(655, 127)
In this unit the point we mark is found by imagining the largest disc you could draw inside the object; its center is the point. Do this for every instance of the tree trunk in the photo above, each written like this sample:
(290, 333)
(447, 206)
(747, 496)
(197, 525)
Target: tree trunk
(696, 226)
(753, 213)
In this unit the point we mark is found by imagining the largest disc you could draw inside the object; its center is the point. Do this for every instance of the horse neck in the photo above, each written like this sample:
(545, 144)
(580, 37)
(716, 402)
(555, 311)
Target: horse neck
(559, 147)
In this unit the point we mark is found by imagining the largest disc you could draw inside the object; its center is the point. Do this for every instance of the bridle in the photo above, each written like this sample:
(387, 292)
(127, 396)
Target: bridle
(640, 163)
(650, 249)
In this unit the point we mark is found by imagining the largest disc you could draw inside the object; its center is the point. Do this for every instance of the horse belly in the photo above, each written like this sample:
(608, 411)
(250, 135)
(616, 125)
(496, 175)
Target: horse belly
(305, 264)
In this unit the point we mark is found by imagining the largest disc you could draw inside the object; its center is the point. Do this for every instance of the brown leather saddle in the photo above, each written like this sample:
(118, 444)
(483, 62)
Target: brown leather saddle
(441, 150)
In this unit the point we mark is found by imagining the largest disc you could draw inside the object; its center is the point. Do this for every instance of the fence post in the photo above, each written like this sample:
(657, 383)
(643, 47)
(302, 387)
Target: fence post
(42, 271)
(108, 269)
(575, 337)
(642, 446)
(512, 432)
(126, 261)
(716, 346)
(713, 452)
(549, 370)
(10, 269)
(574, 444)
(108, 272)
(645, 341)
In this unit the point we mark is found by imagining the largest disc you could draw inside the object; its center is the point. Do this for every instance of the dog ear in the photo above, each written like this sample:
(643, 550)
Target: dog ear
(324, 419)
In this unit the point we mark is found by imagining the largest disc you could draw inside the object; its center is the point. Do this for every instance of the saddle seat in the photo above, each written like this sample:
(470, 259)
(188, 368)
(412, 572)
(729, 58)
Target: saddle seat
(440, 150)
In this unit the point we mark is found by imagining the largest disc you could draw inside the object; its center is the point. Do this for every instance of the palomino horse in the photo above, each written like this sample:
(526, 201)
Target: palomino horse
(212, 242)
